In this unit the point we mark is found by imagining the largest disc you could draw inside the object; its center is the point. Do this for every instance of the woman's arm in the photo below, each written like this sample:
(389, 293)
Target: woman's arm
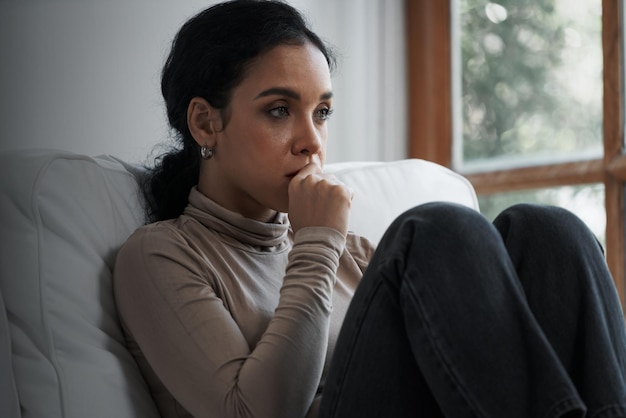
(193, 344)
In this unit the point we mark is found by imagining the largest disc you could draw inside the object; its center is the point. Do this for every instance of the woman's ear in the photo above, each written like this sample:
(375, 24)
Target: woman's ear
(203, 121)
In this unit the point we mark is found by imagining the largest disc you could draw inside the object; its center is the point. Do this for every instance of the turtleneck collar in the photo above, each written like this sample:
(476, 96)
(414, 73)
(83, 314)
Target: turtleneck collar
(270, 236)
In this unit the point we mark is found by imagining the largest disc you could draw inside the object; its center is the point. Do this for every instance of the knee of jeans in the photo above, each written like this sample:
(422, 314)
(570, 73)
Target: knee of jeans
(441, 220)
(545, 223)
(440, 211)
(437, 237)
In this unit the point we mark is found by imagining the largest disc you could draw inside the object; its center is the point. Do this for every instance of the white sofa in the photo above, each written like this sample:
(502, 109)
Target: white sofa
(63, 217)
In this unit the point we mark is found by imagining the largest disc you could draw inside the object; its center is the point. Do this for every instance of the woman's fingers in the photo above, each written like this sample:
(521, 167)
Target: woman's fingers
(318, 199)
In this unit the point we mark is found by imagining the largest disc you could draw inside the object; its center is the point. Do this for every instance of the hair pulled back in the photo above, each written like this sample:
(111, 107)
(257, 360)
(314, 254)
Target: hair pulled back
(208, 58)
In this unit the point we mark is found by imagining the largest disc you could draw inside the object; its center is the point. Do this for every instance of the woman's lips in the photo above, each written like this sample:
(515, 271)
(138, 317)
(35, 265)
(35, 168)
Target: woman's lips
(293, 174)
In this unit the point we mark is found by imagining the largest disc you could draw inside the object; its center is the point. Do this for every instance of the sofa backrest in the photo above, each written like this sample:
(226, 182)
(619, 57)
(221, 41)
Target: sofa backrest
(63, 217)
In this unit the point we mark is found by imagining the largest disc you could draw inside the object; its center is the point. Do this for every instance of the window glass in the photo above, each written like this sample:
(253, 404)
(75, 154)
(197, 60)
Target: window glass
(587, 202)
(530, 82)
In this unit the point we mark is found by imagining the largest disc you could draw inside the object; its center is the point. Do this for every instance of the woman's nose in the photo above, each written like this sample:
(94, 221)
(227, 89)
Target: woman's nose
(308, 140)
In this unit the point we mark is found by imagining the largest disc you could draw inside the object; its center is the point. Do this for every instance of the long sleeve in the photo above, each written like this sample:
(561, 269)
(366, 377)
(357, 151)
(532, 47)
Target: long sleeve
(189, 334)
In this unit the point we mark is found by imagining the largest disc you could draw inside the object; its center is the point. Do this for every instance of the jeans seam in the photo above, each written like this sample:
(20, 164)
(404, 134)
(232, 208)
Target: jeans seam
(438, 353)
(610, 411)
(564, 405)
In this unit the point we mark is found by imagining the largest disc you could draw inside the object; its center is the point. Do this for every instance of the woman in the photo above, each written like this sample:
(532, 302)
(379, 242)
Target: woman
(233, 309)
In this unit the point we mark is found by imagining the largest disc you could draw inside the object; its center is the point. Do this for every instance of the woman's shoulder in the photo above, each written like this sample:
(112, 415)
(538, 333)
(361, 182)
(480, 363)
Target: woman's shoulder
(158, 252)
(154, 233)
(159, 239)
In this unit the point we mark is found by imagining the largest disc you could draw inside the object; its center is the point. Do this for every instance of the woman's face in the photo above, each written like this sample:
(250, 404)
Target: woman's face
(276, 125)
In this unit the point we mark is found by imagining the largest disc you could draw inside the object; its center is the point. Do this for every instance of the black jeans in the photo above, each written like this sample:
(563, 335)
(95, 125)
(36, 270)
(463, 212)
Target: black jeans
(458, 317)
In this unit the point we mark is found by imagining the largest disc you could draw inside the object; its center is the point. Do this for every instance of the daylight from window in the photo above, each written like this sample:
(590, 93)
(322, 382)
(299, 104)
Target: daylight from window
(529, 92)
(530, 82)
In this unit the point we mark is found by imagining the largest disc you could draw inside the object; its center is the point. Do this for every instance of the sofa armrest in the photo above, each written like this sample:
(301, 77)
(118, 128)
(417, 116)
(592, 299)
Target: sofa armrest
(382, 191)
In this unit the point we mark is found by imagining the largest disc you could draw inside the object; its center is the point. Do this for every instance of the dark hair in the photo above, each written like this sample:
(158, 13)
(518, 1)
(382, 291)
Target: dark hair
(208, 58)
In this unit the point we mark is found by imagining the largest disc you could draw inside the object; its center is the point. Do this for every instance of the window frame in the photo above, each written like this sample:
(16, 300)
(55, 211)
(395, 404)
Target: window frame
(430, 89)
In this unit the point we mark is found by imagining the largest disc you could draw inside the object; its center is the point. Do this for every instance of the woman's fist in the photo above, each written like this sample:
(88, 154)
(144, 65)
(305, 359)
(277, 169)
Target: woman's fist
(318, 199)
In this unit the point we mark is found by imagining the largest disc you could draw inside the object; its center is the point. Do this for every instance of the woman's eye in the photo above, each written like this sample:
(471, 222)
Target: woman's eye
(324, 114)
(279, 112)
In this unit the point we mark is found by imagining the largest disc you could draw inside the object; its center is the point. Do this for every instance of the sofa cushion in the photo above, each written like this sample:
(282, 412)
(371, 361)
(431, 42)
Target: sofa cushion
(63, 218)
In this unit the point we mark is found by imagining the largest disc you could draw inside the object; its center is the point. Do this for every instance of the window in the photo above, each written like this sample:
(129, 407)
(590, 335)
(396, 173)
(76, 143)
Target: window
(526, 100)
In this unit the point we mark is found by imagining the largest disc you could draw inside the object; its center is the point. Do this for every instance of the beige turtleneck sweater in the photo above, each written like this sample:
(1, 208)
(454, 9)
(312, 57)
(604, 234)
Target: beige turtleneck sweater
(230, 317)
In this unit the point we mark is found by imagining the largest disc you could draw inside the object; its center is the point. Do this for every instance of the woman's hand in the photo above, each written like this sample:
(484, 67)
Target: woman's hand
(318, 199)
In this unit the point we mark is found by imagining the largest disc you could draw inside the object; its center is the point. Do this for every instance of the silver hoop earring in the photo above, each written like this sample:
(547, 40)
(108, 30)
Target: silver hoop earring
(206, 152)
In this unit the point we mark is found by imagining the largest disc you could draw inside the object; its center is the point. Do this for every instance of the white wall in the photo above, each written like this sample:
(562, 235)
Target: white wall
(370, 119)
(83, 75)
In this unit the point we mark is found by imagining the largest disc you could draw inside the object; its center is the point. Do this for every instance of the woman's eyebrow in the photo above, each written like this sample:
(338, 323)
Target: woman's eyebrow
(283, 91)
(279, 91)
